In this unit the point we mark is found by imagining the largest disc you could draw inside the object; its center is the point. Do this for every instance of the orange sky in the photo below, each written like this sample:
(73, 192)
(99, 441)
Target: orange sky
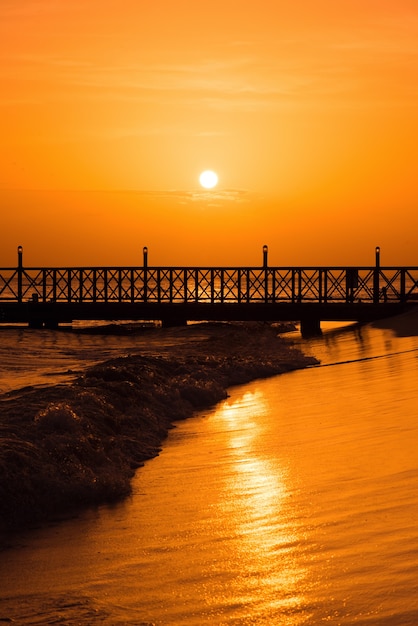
(307, 110)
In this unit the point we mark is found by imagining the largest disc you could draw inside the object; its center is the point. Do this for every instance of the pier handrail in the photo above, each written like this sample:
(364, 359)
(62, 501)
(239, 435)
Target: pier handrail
(142, 284)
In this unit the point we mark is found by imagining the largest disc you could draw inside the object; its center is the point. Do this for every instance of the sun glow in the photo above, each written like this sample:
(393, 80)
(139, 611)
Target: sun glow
(285, 148)
(208, 179)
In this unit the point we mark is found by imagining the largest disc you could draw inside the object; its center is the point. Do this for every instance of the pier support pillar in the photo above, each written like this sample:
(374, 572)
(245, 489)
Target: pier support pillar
(51, 324)
(35, 323)
(172, 322)
(310, 327)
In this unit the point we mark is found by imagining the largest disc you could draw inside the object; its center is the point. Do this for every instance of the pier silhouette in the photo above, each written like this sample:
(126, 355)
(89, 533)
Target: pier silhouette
(49, 296)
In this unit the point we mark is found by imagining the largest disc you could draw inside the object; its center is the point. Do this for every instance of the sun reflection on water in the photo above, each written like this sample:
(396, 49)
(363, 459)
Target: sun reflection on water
(257, 501)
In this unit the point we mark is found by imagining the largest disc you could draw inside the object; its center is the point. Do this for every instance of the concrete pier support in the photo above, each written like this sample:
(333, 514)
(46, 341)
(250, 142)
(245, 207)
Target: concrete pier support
(310, 327)
(50, 324)
(35, 323)
(173, 321)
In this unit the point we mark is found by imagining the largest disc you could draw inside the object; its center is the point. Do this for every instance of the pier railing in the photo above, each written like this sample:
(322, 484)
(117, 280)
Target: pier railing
(48, 296)
(239, 285)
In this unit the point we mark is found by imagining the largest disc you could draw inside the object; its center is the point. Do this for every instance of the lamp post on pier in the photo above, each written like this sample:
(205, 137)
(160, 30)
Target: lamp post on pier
(266, 276)
(265, 256)
(376, 276)
(145, 253)
(19, 273)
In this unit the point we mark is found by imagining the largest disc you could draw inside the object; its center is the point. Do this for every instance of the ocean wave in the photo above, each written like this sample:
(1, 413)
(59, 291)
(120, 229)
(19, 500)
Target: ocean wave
(79, 443)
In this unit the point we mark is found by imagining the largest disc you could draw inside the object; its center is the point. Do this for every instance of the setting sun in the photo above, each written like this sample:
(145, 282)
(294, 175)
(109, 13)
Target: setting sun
(208, 179)
(128, 117)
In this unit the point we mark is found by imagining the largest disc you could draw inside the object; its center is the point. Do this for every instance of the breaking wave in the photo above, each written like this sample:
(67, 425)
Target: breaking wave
(78, 443)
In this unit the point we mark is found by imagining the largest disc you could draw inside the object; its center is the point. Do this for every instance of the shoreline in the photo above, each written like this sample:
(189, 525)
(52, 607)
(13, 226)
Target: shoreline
(76, 445)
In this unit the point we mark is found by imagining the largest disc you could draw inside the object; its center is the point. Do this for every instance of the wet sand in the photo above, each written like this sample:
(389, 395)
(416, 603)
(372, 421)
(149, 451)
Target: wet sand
(78, 444)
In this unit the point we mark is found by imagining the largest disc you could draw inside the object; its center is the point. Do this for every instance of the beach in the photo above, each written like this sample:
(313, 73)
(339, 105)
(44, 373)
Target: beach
(78, 443)
(292, 500)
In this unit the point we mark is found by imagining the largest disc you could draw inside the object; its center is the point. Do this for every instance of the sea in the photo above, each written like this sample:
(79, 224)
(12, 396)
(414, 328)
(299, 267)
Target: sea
(292, 502)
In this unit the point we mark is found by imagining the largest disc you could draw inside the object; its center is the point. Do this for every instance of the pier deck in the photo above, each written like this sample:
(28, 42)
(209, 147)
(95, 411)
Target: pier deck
(48, 296)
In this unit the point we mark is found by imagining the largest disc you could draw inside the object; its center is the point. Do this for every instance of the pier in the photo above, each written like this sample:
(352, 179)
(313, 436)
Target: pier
(49, 296)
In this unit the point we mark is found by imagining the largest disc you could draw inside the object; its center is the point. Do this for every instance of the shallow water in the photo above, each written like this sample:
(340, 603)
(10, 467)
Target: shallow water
(293, 502)
(46, 357)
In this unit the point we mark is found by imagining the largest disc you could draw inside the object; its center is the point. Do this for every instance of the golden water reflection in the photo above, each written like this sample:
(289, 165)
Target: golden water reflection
(257, 500)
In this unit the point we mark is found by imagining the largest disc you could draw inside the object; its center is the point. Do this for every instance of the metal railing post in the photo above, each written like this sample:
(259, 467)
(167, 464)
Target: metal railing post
(80, 285)
(132, 285)
(54, 285)
(403, 285)
(69, 285)
(185, 290)
(159, 285)
(239, 286)
(320, 286)
(94, 295)
(325, 287)
(196, 285)
(44, 275)
(299, 275)
(222, 285)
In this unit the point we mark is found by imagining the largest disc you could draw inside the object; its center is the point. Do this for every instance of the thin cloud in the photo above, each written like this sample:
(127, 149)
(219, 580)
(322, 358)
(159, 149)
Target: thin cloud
(252, 85)
(238, 196)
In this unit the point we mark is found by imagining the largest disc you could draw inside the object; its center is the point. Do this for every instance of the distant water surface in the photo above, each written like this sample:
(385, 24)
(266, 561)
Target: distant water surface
(293, 502)
(45, 357)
